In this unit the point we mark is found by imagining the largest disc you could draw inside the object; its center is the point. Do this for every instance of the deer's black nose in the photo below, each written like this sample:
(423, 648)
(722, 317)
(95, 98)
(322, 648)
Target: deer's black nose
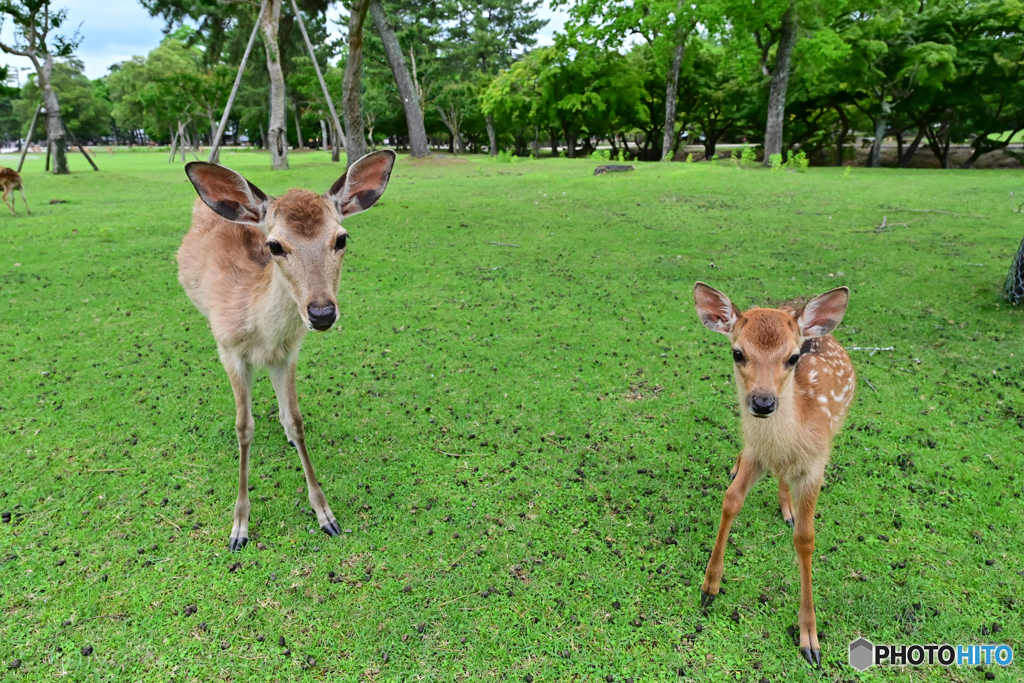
(322, 316)
(762, 405)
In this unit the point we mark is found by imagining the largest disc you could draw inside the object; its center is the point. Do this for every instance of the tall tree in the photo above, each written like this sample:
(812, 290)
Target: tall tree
(418, 145)
(34, 23)
(277, 134)
(667, 25)
(352, 87)
(780, 84)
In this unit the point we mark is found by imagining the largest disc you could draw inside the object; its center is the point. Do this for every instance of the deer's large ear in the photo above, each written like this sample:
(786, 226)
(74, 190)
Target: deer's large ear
(714, 309)
(228, 193)
(822, 314)
(363, 183)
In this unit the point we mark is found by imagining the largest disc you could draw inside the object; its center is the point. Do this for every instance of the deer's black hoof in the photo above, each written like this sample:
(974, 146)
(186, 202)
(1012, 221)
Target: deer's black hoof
(813, 657)
(292, 443)
(236, 544)
(732, 475)
(706, 598)
(791, 523)
(332, 528)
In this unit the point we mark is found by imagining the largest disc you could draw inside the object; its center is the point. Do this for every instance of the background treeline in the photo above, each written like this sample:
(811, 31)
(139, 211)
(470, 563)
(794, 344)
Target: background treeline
(641, 79)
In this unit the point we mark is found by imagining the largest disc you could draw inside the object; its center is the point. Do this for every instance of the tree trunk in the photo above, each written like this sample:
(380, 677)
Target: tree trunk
(174, 145)
(841, 140)
(323, 134)
(780, 83)
(909, 154)
(492, 138)
(672, 89)
(458, 145)
(277, 134)
(298, 127)
(352, 87)
(939, 147)
(54, 123)
(881, 125)
(406, 88)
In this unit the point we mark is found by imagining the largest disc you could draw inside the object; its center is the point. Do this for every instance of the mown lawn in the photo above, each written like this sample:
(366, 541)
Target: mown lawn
(527, 446)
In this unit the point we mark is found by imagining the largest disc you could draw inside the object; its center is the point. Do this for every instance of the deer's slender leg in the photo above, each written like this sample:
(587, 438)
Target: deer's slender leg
(240, 374)
(806, 492)
(24, 200)
(10, 206)
(283, 378)
(735, 466)
(785, 502)
(747, 475)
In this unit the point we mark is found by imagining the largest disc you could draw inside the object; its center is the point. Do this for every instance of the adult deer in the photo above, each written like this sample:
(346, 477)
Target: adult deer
(10, 180)
(264, 271)
(795, 384)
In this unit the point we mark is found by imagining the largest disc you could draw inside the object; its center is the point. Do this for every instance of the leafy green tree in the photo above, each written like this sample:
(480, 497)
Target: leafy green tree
(85, 110)
(35, 37)
(10, 120)
(666, 25)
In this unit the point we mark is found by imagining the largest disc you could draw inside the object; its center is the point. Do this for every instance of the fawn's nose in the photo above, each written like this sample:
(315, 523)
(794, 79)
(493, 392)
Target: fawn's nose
(761, 405)
(322, 316)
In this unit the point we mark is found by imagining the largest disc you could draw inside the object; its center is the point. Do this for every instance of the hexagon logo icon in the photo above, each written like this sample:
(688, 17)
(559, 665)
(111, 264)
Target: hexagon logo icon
(862, 654)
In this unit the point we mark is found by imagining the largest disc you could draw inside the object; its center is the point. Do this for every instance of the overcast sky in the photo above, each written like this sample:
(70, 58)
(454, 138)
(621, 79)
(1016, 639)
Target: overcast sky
(116, 30)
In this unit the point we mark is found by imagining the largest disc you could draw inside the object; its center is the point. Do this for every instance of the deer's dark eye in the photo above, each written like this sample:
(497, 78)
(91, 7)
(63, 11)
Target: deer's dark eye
(737, 356)
(793, 359)
(275, 248)
(341, 242)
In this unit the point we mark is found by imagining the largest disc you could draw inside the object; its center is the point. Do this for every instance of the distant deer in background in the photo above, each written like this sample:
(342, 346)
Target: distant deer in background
(264, 271)
(10, 180)
(795, 384)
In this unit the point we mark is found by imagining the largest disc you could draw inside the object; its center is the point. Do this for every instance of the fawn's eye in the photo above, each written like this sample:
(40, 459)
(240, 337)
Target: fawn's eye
(275, 248)
(341, 242)
(793, 359)
(737, 356)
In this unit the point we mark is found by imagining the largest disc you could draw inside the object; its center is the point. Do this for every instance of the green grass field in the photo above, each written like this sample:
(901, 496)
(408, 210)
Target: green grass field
(526, 446)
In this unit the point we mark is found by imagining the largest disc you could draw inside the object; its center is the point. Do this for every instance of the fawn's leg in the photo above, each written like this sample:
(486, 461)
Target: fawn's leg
(240, 374)
(283, 378)
(747, 475)
(785, 502)
(806, 494)
(23, 199)
(10, 206)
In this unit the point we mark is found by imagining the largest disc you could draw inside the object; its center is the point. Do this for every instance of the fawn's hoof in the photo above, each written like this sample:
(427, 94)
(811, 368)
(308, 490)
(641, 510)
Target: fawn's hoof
(292, 443)
(791, 523)
(332, 528)
(236, 544)
(813, 656)
(706, 598)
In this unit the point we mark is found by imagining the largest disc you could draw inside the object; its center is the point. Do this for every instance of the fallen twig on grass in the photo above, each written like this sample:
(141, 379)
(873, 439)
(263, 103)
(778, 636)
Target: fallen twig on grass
(885, 226)
(948, 213)
(502, 244)
(868, 382)
(170, 522)
(872, 349)
(453, 455)
(648, 227)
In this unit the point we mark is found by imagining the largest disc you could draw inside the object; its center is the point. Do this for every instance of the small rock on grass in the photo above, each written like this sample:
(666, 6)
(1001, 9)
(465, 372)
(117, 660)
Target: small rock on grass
(87, 650)
(16, 664)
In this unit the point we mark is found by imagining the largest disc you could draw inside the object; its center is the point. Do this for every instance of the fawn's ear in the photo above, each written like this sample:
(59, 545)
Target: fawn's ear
(822, 314)
(228, 193)
(714, 309)
(363, 183)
